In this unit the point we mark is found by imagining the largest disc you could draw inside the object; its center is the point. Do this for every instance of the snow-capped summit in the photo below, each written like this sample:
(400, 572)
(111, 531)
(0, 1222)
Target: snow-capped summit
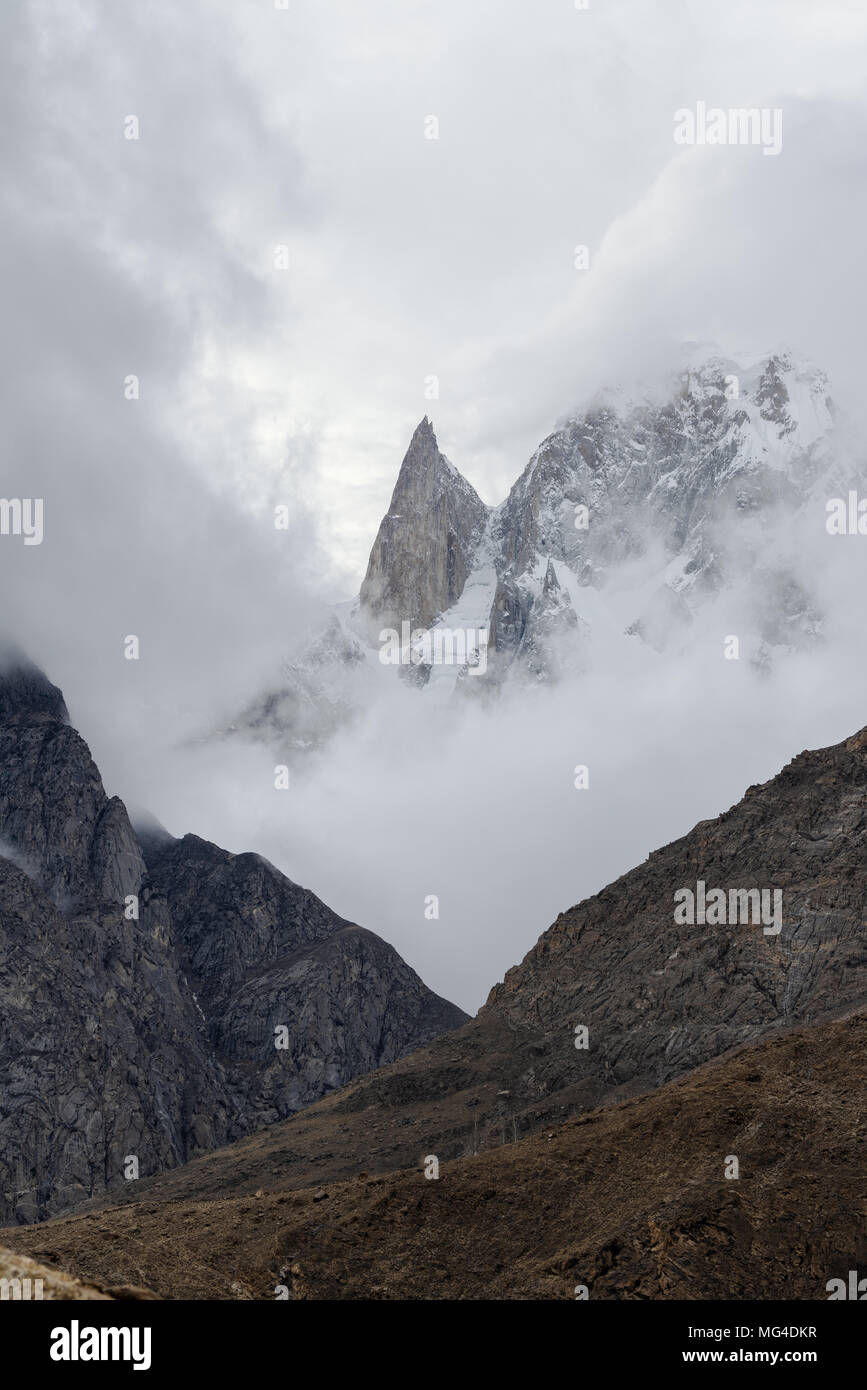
(694, 482)
(725, 440)
(632, 517)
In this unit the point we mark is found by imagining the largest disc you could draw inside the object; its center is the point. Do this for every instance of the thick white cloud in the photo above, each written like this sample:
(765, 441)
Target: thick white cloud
(407, 257)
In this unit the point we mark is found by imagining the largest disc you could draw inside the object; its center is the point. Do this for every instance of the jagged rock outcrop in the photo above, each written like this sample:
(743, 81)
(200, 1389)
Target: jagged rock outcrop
(76, 842)
(424, 549)
(109, 1065)
(296, 1000)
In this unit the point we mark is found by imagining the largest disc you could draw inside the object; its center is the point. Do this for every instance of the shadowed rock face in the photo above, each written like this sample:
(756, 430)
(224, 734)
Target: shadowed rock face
(262, 955)
(101, 1052)
(530, 624)
(426, 543)
(106, 1054)
(55, 817)
(25, 690)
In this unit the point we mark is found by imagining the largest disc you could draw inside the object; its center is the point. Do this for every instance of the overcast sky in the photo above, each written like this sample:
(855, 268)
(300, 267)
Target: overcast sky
(407, 257)
(410, 256)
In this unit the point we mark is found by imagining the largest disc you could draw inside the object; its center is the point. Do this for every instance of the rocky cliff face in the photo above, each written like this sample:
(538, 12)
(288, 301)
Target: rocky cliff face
(106, 1053)
(295, 1000)
(422, 556)
(77, 843)
(99, 1039)
(533, 626)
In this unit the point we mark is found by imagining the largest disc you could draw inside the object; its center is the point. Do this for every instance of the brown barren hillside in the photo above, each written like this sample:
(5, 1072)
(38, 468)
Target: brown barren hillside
(630, 1200)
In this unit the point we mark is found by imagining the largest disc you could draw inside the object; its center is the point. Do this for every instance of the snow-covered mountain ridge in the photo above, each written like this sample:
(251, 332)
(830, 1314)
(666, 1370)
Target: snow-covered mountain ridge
(630, 522)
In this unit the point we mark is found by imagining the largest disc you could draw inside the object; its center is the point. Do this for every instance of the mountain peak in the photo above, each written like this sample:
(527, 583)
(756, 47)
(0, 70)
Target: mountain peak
(424, 430)
(422, 457)
(422, 554)
(26, 690)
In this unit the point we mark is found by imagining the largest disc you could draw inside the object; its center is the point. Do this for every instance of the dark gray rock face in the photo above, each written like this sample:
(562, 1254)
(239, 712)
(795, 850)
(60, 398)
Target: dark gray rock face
(77, 844)
(26, 689)
(102, 1058)
(296, 1000)
(426, 543)
(138, 1002)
